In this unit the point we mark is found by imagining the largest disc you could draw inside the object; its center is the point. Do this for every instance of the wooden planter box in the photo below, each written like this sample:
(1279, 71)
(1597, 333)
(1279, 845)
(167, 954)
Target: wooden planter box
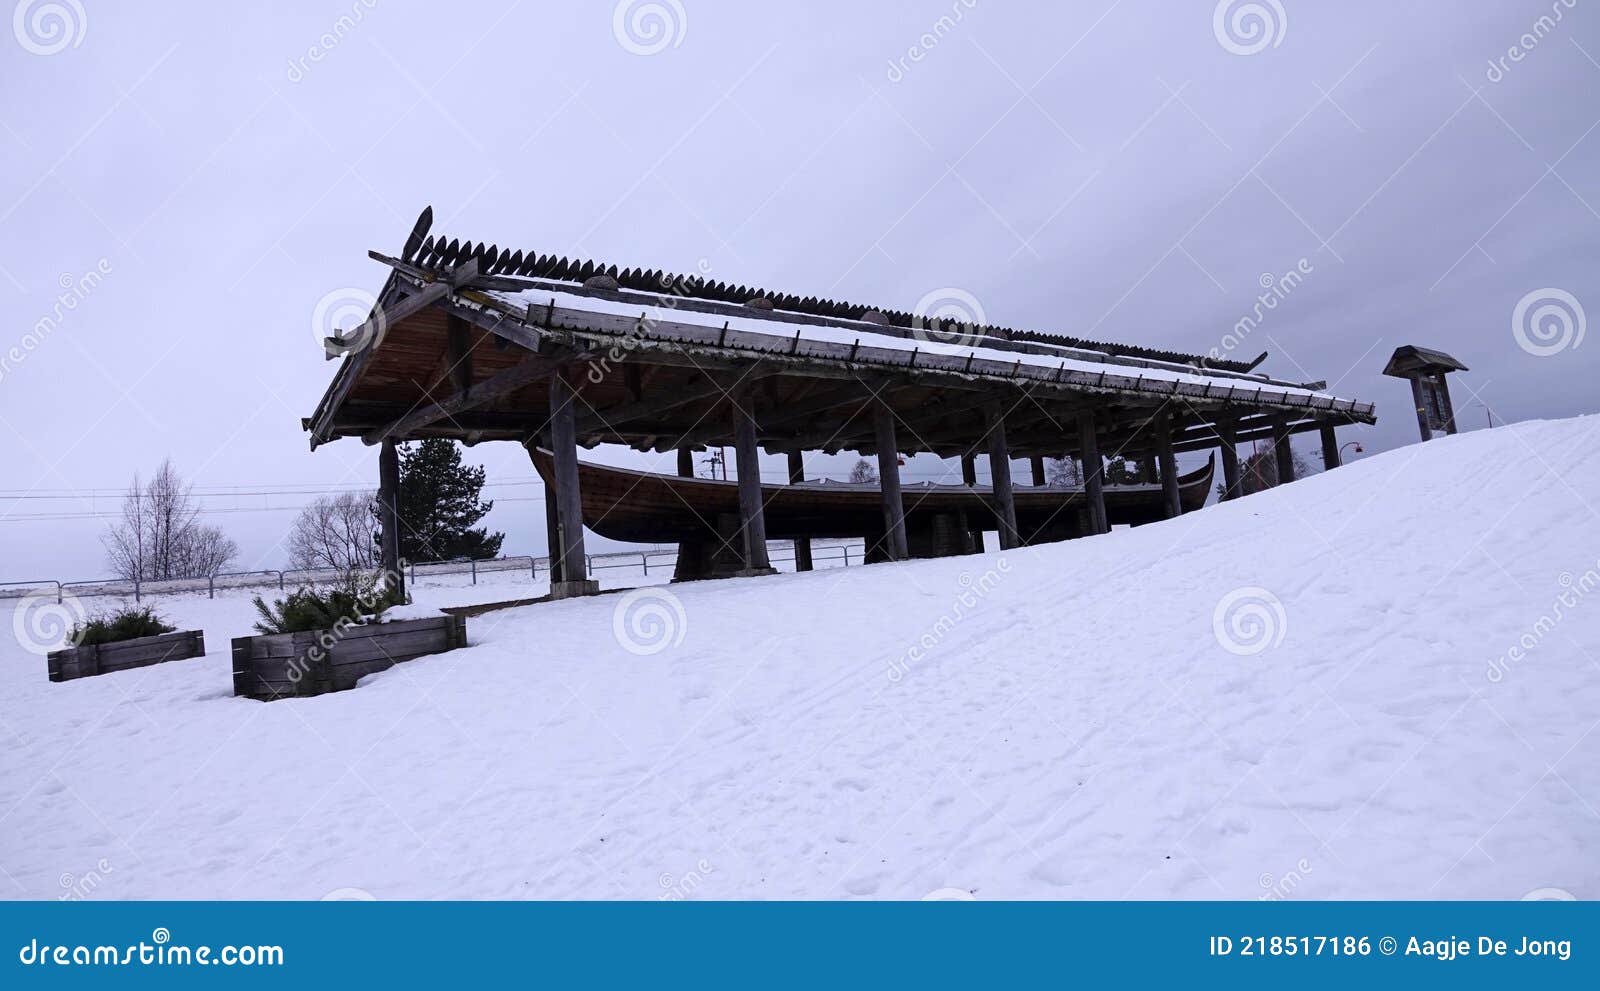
(104, 658)
(299, 665)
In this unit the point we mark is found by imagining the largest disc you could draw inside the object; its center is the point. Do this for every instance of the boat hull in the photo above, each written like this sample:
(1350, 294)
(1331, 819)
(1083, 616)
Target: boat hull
(646, 507)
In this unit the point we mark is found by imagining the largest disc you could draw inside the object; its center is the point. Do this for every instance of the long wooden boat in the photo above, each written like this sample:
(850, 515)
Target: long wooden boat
(647, 507)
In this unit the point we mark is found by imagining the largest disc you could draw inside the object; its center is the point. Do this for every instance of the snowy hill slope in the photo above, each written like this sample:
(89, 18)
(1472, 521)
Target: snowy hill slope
(1304, 694)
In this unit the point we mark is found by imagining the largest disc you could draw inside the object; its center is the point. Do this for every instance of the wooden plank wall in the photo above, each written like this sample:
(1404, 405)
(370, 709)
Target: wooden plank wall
(300, 665)
(92, 659)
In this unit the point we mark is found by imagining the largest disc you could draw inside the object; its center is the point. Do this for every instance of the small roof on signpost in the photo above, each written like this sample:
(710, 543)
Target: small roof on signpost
(1410, 360)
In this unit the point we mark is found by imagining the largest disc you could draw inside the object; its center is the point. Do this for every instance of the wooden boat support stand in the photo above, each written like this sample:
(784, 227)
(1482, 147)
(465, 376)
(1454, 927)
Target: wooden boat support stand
(470, 342)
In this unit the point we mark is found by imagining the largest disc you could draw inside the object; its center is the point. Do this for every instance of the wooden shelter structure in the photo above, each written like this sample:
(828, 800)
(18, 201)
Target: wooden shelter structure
(475, 343)
(1426, 369)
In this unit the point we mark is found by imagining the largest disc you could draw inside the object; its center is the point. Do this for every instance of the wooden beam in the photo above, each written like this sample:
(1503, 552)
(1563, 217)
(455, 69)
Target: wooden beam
(1000, 477)
(969, 478)
(1093, 471)
(495, 387)
(894, 513)
(1168, 467)
(1228, 437)
(752, 517)
(600, 421)
(1420, 401)
(1037, 464)
(573, 577)
(1330, 447)
(371, 331)
(1283, 453)
(458, 352)
(389, 516)
(802, 545)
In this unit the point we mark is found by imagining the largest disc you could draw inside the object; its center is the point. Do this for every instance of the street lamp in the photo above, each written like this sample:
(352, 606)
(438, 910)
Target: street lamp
(1355, 444)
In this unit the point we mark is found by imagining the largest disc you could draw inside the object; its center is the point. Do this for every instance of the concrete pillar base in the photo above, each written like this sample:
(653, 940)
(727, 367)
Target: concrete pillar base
(572, 590)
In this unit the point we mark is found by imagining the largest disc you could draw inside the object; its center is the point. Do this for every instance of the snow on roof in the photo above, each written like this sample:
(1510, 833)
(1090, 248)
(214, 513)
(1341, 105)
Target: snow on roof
(782, 330)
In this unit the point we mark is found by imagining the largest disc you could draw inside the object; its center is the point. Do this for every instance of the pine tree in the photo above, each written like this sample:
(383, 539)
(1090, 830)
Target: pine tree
(439, 505)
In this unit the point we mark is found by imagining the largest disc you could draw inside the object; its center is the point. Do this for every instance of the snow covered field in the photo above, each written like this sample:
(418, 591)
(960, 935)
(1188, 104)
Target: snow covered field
(1305, 694)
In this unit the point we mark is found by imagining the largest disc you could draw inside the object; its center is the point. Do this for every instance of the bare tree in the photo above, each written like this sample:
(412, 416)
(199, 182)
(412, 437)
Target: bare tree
(160, 535)
(337, 532)
(1063, 473)
(863, 472)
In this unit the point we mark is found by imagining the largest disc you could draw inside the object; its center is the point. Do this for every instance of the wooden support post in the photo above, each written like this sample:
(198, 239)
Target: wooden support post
(747, 456)
(1282, 452)
(1167, 465)
(1005, 507)
(1037, 464)
(1420, 400)
(894, 513)
(802, 545)
(1093, 472)
(552, 532)
(691, 563)
(1228, 434)
(969, 478)
(1330, 448)
(572, 579)
(1449, 408)
(389, 516)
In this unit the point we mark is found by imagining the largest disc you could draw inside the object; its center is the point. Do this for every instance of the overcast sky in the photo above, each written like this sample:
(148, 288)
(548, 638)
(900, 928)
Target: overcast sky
(1123, 171)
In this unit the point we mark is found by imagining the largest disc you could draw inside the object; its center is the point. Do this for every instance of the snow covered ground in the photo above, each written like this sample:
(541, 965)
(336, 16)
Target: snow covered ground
(1310, 693)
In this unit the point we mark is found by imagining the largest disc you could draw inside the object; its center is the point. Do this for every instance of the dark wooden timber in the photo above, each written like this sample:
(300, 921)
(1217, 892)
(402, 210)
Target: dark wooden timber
(969, 478)
(468, 397)
(1426, 369)
(1037, 464)
(1420, 401)
(389, 515)
(1168, 468)
(1227, 441)
(87, 660)
(1093, 472)
(458, 352)
(1283, 453)
(656, 508)
(572, 578)
(802, 545)
(1005, 506)
(747, 456)
(298, 665)
(1330, 447)
(1448, 407)
(894, 514)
